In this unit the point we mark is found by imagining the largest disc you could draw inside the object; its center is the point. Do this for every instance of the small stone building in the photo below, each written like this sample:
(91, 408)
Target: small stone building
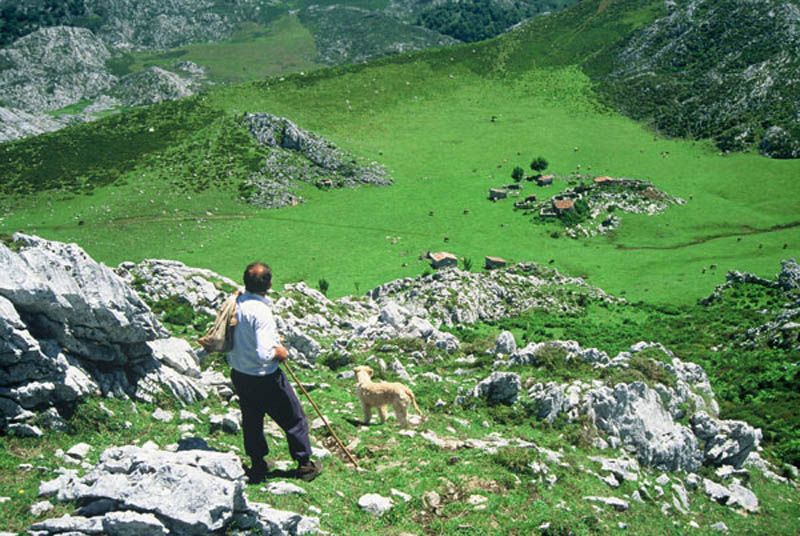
(544, 180)
(442, 259)
(563, 205)
(497, 193)
(495, 262)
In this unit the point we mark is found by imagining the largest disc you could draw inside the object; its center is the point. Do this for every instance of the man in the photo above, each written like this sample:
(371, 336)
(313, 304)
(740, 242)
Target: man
(261, 384)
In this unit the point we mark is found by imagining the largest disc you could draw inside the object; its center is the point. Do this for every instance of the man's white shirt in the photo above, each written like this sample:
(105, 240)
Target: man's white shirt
(255, 336)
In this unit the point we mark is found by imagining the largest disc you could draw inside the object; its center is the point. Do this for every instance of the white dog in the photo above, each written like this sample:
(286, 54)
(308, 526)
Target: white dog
(377, 395)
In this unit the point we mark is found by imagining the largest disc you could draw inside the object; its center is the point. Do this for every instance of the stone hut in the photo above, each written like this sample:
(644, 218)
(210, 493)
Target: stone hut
(563, 205)
(544, 180)
(497, 193)
(603, 180)
(495, 262)
(442, 259)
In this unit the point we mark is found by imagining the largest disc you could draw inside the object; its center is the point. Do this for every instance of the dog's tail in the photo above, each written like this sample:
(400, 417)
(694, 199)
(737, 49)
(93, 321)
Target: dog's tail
(413, 400)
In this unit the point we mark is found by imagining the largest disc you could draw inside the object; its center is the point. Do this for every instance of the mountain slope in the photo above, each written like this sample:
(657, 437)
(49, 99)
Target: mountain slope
(723, 70)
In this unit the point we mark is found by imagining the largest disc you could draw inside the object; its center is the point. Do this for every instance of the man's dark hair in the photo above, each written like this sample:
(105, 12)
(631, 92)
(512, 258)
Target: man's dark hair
(257, 277)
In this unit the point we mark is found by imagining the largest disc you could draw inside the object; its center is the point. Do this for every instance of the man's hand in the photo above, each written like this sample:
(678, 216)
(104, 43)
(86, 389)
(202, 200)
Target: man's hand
(281, 354)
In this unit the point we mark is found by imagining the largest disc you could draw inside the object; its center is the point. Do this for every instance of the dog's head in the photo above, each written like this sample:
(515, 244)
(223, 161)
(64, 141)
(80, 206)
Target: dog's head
(363, 369)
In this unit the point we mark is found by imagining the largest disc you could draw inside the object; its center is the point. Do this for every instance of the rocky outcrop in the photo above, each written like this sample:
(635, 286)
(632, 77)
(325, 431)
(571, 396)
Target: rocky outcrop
(646, 418)
(125, 494)
(158, 279)
(453, 296)
(54, 67)
(782, 329)
(347, 34)
(301, 156)
(16, 123)
(152, 86)
(131, 25)
(499, 388)
(738, 91)
(72, 327)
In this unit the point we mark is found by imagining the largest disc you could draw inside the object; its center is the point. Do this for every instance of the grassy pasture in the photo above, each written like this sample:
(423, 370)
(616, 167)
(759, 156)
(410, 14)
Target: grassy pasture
(253, 52)
(428, 118)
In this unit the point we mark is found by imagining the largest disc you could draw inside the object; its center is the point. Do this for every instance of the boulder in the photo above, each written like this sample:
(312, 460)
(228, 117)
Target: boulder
(505, 343)
(71, 327)
(725, 442)
(149, 491)
(499, 387)
(375, 504)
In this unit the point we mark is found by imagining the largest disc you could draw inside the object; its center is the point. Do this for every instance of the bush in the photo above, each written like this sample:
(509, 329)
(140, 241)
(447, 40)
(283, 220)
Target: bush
(517, 174)
(323, 286)
(539, 164)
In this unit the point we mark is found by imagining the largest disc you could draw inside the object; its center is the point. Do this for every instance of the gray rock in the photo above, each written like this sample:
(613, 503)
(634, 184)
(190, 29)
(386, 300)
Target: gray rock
(79, 451)
(634, 414)
(499, 387)
(132, 524)
(54, 67)
(284, 488)
(720, 527)
(70, 524)
(505, 343)
(83, 315)
(204, 489)
(622, 468)
(617, 504)
(682, 495)
(742, 497)
(40, 507)
(158, 279)
(163, 415)
(375, 504)
(716, 492)
(726, 442)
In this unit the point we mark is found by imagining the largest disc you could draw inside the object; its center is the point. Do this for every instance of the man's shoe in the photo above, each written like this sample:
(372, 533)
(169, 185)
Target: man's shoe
(258, 471)
(309, 470)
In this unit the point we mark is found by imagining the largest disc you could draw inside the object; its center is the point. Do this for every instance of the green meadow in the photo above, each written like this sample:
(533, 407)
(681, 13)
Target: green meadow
(447, 133)
(253, 51)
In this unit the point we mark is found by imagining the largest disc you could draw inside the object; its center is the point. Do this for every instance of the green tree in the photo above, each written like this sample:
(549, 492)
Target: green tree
(539, 164)
(517, 174)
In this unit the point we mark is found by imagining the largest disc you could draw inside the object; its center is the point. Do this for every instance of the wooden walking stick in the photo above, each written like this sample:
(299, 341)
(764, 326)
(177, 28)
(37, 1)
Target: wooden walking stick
(321, 416)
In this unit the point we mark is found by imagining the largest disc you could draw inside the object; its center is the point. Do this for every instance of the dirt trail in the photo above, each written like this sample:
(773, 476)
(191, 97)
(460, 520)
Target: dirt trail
(745, 231)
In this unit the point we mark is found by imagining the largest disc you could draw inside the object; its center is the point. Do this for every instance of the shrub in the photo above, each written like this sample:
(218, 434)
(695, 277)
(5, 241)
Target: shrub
(539, 164)
(517, 174)
(323, 286)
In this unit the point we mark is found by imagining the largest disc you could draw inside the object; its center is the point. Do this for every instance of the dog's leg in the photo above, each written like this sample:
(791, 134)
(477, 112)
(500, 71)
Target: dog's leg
(382, 414)
(401, 411)
(367, 412)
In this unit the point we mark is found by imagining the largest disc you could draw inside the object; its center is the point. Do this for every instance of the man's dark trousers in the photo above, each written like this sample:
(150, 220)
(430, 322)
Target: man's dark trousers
(274, 396)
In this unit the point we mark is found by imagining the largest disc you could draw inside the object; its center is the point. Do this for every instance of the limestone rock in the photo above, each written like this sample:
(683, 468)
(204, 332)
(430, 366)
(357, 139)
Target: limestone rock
(726, 442)
(499, 387)
(94, 335)
(375, 504)
(204, 491)
(158, 279)
(505, 343)
(54, 67)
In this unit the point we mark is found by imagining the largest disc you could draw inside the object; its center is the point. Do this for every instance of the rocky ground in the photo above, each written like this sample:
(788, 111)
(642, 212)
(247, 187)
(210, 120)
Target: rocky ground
(298, 156)
(72, 328)
(61, 66)
(605, 203)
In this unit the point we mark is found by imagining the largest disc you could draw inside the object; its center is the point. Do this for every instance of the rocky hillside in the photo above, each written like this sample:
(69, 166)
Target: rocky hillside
(641, 426)
(721, 70)
(62, 66)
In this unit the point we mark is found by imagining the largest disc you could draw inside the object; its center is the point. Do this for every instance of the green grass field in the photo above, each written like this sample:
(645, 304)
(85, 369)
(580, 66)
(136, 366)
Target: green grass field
(252, 52)
(429, 120)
